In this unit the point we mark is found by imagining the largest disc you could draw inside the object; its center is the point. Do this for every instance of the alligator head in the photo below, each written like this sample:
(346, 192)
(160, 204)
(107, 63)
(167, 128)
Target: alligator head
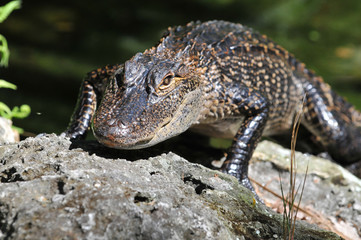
(147, 101)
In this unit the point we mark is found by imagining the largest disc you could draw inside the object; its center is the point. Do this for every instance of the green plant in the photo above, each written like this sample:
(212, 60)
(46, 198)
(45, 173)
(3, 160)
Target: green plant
(24, 110)
(4, 50)
(17, 112)
(4, 13)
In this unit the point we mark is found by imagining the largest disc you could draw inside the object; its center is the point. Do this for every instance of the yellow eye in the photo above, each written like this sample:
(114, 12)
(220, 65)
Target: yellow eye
(166, 82)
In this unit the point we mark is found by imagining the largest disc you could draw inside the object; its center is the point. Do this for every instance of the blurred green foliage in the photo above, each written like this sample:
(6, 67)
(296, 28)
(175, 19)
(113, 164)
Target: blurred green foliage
(8, 8)
(4, 51)
(24, 110)
(17, 112)
(4, 13)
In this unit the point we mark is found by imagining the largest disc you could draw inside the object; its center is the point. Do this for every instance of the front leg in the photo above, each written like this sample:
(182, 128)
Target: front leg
(255, 108)
(90, 94)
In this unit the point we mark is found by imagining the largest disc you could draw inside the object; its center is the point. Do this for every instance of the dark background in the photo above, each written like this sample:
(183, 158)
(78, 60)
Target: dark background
(54, 44)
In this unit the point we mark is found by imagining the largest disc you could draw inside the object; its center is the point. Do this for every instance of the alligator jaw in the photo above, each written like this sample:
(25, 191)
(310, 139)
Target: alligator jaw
(113, 143)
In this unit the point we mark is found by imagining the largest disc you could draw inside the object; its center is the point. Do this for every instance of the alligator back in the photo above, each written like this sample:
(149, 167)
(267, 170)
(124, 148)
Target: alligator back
(233, 58)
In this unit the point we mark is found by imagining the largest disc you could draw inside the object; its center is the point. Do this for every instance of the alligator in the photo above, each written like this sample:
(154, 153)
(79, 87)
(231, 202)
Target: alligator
(221, 79)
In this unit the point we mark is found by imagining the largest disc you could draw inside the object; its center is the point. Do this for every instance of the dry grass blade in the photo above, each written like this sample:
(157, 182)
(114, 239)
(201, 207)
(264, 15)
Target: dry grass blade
(290, 209)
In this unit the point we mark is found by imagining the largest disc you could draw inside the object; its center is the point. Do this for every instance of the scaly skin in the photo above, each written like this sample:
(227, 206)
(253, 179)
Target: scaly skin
(220, 79)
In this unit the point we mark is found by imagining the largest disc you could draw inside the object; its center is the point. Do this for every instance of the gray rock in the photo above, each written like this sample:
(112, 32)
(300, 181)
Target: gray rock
(332, 195)
(50, 192)
(7, 135)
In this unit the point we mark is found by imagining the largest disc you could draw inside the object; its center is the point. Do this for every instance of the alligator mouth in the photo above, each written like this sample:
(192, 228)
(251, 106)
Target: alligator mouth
(149, 141)
(114, 143)
(165, 123)
(141, 139)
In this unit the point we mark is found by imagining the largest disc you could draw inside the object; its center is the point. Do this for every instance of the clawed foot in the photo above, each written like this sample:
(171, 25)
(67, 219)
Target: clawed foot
(244, 180)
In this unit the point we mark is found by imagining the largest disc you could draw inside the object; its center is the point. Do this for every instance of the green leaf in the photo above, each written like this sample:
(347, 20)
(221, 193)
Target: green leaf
(21, 112)
(8, 8)
(5, 84)
(4, 51)
(5, 111)
(17, 112)
(24, 110)
(19, 130)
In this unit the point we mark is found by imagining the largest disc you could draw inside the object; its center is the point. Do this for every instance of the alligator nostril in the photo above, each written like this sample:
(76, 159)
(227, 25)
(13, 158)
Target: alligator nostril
(111, 122)
(148, 89)
(120, 124)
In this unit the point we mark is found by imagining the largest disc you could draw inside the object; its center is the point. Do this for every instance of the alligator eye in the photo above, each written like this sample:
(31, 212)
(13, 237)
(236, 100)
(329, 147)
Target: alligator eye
(166, 82)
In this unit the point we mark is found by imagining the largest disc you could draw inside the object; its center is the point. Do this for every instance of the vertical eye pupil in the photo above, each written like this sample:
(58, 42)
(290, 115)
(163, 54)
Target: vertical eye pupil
(167, 80)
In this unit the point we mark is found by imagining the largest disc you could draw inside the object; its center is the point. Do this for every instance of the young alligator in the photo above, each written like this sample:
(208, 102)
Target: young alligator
(218, 78)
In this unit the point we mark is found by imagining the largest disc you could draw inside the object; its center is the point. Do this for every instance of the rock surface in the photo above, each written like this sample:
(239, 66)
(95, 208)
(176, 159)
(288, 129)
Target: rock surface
(48, 191)
(7, 135)
(331, 197)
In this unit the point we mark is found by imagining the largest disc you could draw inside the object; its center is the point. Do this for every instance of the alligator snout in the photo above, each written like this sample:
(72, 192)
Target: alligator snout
(116, 134)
